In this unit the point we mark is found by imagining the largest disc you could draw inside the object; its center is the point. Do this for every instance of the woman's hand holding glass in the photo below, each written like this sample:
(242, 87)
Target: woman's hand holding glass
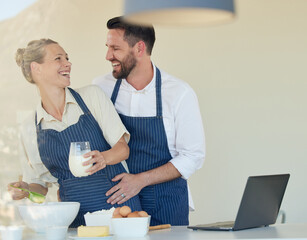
(83, 161)
(96, 161)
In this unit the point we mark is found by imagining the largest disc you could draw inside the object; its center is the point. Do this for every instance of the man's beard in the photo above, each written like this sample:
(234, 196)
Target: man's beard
(126, 66)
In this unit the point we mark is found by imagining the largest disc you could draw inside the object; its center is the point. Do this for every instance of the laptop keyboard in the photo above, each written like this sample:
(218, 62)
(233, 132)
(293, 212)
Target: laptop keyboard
(219, 225)
(226, 225)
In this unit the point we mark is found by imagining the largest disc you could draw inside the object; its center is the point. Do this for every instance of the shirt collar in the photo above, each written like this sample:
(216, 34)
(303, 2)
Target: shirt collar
(42, 114)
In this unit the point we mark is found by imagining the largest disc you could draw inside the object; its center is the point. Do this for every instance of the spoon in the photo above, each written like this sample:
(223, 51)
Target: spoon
(33, 196)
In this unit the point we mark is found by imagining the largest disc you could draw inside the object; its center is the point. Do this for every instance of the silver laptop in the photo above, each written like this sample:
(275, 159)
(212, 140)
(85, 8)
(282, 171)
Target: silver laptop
(259, 205)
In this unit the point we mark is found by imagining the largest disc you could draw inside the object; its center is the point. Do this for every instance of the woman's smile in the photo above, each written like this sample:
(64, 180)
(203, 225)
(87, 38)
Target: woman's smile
(65, 73)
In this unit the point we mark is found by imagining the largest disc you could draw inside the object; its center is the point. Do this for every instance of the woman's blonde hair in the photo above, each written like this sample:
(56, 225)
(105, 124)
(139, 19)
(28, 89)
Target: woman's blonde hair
(34, 52)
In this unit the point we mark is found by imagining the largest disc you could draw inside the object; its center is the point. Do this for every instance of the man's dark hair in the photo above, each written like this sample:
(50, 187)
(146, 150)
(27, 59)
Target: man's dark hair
(134, 33)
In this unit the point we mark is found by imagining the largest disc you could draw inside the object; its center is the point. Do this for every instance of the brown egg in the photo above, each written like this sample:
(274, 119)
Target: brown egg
(116, 211)
(133, 214)
(117, 216)
(124, 211)
(143, 214)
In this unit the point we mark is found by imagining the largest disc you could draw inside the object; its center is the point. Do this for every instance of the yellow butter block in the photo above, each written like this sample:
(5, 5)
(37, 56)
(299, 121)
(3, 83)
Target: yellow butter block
(93, 231)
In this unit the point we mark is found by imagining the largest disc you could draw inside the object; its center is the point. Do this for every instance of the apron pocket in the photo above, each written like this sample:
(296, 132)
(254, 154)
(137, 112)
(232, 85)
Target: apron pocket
(89, 191)
(148, 198)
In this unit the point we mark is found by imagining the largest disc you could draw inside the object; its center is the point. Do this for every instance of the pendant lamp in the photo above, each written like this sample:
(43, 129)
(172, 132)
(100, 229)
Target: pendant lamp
(178, 12)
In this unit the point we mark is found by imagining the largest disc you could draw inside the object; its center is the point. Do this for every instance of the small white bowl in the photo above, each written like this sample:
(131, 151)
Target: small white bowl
(56, 233)
(11, 232)
(130, 227)
(40, 216)
(99, 220)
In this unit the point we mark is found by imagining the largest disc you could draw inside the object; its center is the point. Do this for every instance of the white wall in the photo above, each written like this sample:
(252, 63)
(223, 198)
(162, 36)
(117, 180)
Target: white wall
(249, 75)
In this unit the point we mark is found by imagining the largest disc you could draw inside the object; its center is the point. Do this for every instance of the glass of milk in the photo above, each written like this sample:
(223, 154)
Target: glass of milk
(77, 150)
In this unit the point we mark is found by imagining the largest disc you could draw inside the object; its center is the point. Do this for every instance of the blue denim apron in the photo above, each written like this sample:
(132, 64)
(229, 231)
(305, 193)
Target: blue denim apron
(54, 152)
(166, 202)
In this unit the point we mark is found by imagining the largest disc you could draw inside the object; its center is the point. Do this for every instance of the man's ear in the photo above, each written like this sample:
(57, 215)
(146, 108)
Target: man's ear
(141, 48)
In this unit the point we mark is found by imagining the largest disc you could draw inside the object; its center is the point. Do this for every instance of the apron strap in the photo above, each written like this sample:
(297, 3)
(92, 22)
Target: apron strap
(115, 91)
(158, 93)
(79, 101)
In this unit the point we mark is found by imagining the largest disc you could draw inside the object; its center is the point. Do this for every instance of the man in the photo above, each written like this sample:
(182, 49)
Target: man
(162, 115)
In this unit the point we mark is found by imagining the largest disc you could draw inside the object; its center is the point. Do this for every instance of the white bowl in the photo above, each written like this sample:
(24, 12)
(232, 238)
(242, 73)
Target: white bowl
(11, 232)
(56, 233)
(130, 227)
(99, 220)
(40, 216)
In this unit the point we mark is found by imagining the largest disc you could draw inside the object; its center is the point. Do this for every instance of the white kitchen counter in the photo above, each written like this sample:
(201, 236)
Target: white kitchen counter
(278, 231)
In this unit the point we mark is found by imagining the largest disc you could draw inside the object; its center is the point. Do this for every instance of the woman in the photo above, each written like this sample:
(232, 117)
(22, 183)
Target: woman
(64, 116)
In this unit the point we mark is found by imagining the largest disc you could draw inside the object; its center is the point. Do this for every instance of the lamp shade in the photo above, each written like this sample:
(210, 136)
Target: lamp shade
(178, 12)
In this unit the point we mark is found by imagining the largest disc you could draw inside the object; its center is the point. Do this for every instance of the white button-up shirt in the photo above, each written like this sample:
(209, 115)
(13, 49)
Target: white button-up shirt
(181, 116)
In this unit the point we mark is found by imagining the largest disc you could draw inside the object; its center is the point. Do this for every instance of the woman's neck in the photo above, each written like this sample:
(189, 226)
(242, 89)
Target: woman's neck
(53, 101)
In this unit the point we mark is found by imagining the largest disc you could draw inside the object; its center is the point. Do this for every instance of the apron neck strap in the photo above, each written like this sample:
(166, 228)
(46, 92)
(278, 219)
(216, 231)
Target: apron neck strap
(116, 90)
(79, 100)
(158, 93)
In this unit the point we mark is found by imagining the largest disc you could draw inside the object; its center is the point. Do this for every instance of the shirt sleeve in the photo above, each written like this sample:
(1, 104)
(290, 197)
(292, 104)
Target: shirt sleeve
(34, 171)
(105, 114)
(190, 139)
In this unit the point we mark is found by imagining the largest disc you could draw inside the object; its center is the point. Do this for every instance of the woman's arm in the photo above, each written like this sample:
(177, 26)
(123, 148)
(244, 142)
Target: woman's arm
(118, 153)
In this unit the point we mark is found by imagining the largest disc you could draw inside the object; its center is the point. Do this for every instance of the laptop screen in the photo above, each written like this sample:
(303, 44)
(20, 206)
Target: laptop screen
(261, 201)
